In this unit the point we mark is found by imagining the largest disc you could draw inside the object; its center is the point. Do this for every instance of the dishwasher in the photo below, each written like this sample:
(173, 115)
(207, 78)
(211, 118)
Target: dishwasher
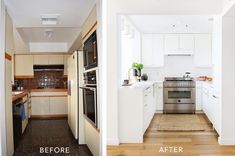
(17, 121)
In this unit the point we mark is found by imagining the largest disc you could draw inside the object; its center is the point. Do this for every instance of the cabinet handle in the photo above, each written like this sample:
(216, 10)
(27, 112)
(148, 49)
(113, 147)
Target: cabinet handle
(214, 96)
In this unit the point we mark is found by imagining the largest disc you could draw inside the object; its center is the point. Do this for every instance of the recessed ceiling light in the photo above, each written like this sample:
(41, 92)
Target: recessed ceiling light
(49, 19)
(48, 33)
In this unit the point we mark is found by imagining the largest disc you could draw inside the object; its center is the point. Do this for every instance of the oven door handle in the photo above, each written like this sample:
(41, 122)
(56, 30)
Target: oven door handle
(90, 88)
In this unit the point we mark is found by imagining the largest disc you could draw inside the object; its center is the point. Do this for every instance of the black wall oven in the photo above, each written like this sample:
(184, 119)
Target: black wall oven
(90, 97)
(90, 52)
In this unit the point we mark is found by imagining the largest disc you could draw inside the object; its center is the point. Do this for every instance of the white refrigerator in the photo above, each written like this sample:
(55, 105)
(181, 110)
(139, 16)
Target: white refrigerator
(75, 98)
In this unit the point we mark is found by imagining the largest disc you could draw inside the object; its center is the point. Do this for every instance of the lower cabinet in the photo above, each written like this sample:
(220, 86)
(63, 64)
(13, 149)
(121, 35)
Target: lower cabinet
(49, 105)
(158, 94)
(211, 106)
(136, 109)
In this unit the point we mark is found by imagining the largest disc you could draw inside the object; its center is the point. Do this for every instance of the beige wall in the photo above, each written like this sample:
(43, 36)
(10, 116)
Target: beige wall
(89, 21)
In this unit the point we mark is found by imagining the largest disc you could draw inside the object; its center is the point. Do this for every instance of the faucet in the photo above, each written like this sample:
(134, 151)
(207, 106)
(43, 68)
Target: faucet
(138, 72)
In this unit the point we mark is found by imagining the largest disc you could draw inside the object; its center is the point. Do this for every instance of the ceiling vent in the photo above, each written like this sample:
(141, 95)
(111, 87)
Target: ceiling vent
(49, 19)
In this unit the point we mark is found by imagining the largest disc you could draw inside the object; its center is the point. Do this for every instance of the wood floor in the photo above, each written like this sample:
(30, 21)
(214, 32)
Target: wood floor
(202, 143)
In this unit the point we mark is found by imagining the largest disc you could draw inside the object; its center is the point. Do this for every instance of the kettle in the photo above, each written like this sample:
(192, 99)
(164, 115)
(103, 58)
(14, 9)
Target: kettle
(187, 75)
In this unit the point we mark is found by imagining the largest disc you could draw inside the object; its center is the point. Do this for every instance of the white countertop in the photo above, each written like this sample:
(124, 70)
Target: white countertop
(141, 85)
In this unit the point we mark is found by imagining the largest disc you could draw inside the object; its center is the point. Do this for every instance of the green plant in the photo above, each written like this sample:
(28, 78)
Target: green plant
(137, 65)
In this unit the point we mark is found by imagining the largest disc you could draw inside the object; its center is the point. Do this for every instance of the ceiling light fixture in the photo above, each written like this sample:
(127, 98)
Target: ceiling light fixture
(49, 19)
(48, 33)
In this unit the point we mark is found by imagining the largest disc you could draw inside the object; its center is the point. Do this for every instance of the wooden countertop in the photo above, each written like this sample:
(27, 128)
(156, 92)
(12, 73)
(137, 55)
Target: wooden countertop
(49, 90)
(26, 91)
(18, 96)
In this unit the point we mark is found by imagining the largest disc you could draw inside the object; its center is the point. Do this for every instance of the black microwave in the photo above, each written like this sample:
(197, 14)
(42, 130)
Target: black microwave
(90, 52)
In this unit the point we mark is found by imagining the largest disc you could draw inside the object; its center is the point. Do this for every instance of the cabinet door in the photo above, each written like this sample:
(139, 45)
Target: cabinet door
(171, 43)
(66, 64)
(147, 49)
(186, 41)
(24, 65)
(40, 60)
(158, 50)
(40, 105)
(159, 93)
(198, 96)
(56, 59)
(58, 105)
(203, 50)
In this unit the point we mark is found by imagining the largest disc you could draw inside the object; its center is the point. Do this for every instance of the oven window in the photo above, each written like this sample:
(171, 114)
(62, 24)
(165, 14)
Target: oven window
(89, 101)
(179, 94)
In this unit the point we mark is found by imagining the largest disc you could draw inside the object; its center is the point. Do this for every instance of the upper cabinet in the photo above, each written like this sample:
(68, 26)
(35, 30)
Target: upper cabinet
(24, 65)
(56, 59)
(179, 44)
(203, 50)
(40, 60)
(153, 50)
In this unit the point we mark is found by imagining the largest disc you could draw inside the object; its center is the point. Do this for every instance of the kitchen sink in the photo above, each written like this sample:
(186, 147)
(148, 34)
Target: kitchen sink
(17, 92)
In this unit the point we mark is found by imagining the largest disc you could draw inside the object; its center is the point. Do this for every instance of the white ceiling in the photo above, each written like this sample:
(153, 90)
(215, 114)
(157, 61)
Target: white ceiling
(26, 13)
(26, 16)
(172, 23)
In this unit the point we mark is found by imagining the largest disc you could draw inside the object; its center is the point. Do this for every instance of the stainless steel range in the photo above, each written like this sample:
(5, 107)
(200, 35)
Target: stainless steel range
(179, 95)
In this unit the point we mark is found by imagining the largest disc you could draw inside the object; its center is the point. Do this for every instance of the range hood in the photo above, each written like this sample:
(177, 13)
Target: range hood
(48, 67)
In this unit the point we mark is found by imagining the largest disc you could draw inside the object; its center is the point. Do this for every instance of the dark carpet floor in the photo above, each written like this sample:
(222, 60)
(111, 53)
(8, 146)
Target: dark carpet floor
(49, 133)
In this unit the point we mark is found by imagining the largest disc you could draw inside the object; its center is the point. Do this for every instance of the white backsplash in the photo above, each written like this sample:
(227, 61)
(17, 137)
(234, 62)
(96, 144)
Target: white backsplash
(176, 66)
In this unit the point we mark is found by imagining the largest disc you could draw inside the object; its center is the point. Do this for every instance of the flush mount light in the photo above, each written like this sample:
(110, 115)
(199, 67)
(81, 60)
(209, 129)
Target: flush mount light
(49, 19)
(48, 33)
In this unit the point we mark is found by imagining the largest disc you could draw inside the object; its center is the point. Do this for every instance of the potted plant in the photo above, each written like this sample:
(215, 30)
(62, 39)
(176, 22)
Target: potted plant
(138, 66)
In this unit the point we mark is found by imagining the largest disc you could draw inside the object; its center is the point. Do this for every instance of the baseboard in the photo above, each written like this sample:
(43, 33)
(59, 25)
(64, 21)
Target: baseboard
(226, 141)
(59, 116)
(159, 111)
(113, 142)
(199, 112)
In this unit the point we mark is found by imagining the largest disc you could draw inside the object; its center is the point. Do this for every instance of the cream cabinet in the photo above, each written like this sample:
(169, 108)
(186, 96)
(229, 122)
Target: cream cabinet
(49, 103)
(58, 105)
(66, 64)
(40, 106)
(56, 59)
(24, 65)
(40, 60)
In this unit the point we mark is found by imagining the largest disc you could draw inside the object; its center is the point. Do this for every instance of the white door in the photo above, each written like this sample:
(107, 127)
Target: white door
(159, 93)
(147, 50)
(158, 50)
(40, 105)
(198, 96)
(58, 105)
(171, 43)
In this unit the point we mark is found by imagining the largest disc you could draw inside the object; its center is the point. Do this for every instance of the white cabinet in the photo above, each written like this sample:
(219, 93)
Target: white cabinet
(56, 59)
(211, 105)
(186, 41)
(179, 44)
(198, 96)
(171, 43)
(203, 50)
(40, 59)
(136, 110)
(24, 65)
(158, 92)
(153, 50)
(40, 105)
(58, 105)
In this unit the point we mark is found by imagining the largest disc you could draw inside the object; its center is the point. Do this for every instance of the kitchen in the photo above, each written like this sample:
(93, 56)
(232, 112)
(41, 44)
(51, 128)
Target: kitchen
(52, 73)
(168, 79)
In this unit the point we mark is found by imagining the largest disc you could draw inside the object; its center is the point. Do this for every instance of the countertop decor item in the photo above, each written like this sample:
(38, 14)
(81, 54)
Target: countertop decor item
(139, 66)
(144, 77)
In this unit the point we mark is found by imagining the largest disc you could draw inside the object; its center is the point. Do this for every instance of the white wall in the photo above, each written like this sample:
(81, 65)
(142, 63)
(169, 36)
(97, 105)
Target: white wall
(48, 47)
(114, 8)
(228, 84)
(2, 80)
(130, 47)
(176, 66)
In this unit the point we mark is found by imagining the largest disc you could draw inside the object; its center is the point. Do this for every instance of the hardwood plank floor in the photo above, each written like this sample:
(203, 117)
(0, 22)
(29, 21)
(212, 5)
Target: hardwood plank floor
(197, 143)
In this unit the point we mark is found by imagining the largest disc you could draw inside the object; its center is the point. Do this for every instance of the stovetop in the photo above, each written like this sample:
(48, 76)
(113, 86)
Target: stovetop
(178, 79)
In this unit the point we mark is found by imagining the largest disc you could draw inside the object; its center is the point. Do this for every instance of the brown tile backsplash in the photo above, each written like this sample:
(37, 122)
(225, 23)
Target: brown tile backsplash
(44, 79)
